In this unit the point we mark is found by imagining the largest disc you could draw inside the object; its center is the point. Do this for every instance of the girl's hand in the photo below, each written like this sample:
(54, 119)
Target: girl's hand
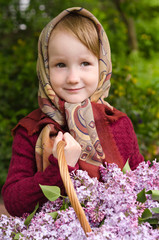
(72, 148)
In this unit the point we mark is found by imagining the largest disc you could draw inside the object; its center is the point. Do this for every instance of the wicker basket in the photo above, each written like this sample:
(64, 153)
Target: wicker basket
(70, 188)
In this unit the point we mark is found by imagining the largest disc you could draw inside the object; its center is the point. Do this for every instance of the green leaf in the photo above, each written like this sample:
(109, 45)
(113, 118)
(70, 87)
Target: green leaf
(141, 197)
(126, 167)
(155, 194)
(28, 219)
(51, 192)
(53, 215)
(152, 221)
(146, 214)
(155, 210)
(18, 235)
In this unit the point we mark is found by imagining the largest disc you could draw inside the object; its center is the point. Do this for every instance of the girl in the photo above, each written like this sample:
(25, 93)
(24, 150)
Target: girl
(74, 70)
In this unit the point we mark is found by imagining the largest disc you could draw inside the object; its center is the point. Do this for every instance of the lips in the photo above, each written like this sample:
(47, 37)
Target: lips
(73, 89)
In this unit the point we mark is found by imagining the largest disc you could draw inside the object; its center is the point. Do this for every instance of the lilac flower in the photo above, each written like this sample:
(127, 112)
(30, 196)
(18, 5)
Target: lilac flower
(110, 206)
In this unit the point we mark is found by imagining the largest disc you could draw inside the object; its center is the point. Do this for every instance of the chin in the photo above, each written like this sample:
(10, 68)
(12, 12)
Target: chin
(76, 101)
(73, 100)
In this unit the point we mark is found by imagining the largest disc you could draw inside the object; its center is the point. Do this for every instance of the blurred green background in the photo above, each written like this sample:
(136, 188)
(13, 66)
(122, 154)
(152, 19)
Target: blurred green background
(133, 31)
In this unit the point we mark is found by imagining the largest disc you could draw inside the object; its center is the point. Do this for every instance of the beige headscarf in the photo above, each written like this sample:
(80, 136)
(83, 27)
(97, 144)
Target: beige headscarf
(79, 117)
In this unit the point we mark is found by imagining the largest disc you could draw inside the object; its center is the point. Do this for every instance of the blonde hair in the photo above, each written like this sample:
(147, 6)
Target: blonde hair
(82, 28)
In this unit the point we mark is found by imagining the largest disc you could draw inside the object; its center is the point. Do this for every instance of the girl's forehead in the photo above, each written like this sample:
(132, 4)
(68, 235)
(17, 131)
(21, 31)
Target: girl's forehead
(80, 32)
(59, 30)
(65, 44)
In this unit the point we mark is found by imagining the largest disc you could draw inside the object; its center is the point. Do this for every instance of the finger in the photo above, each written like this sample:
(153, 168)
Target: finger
(68, 137)
(58, 138)
(70, 141)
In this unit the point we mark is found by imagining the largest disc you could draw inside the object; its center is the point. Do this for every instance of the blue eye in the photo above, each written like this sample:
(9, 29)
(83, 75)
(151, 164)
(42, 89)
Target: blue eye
(60, 65)
(85, 64)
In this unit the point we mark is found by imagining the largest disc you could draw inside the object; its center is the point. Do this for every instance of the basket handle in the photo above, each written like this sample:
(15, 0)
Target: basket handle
(70, 188)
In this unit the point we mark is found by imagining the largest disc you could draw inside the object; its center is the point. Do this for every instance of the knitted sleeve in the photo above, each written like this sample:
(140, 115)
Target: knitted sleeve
(127, 143)
(21, 191)
(135, 156)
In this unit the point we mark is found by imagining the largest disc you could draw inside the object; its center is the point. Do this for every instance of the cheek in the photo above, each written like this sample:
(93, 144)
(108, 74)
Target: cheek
(95, 80)
(54, 85)
(54, 79)
(52, 82)
(93, 84)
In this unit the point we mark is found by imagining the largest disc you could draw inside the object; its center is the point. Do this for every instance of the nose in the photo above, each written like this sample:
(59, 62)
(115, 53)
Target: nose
(73, 76)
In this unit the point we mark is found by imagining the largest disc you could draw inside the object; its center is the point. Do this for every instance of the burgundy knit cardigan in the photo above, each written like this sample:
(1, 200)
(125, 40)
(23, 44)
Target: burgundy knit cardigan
(21, 191)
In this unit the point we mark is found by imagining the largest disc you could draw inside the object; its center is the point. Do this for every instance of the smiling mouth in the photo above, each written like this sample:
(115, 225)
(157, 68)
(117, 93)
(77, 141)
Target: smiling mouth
(73, 89)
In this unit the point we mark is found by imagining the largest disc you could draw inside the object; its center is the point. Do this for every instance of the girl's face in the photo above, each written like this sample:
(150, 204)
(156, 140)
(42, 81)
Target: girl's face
(73, 68)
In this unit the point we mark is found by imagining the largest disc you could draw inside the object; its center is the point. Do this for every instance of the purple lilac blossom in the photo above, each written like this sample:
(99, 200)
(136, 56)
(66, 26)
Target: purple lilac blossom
(110, 206)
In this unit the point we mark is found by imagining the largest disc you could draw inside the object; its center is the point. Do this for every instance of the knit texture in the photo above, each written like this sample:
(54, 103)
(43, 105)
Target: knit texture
(21, 191)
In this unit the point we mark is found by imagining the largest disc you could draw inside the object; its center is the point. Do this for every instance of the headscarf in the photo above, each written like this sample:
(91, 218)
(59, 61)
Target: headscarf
(78, 116)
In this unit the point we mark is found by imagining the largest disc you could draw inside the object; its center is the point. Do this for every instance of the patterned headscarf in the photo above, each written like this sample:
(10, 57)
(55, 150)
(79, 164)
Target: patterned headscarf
(79, 116)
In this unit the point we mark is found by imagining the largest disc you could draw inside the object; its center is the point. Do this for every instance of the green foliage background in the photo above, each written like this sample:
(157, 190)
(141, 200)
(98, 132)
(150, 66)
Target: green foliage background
(135, 78)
